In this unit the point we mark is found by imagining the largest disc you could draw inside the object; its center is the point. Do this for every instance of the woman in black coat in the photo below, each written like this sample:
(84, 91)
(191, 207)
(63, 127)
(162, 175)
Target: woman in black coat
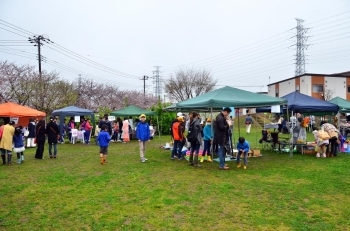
(40, 139)
(52, 136)
(31, 135)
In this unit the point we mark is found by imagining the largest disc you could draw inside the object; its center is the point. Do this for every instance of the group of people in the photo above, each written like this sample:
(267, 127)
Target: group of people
(104, 136)
(12, 138)
(327, 140)
(218, 135)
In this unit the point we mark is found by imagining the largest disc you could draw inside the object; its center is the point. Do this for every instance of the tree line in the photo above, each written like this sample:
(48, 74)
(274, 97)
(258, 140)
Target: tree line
(23, 85)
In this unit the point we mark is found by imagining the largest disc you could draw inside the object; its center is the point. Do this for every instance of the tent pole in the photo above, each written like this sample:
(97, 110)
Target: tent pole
(239, 130)
(256, 130)
(158, 126)
(212, 132)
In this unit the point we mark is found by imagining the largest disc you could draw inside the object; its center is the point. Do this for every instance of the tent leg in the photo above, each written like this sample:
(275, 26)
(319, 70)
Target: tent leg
(239, 130)
(256, 130)
(212, 132)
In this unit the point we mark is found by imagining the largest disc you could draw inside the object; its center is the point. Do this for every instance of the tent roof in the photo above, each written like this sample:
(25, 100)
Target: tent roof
(14, 110)
(132, 111)
(344, 105)
(231, 97)
(72, 111)
(305, 103)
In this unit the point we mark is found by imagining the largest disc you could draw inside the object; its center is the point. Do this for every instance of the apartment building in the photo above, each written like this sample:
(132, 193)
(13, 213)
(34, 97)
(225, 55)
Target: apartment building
(319, 86)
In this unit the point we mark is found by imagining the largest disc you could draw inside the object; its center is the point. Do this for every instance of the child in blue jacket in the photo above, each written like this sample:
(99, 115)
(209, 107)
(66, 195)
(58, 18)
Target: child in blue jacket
(143, 135)
(208, 137)
(18, 145)
(243, 148)
(103, 140)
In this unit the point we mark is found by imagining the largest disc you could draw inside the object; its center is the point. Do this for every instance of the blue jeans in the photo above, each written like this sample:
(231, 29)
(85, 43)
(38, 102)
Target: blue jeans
(245, 157)
(221, 155)
(206, 149)
(54, 149)
(115, 136)
(177, 144)
(87, 136)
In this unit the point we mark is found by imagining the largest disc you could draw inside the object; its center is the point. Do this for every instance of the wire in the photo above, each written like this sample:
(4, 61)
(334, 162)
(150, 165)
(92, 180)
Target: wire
(331, 26)
(13, 32)
(25, 31)
(90, 64)
(16, 54)
(328, 17)
(330, 31)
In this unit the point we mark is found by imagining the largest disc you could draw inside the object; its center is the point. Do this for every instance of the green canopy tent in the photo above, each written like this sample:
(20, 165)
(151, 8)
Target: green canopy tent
(344, 107)
(230, 97)
(134, 111)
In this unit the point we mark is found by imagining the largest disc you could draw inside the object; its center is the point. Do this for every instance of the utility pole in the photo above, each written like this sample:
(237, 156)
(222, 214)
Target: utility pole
(79, 90)
(144, 78)
(158, 81)
(300, 47)
(38, 41)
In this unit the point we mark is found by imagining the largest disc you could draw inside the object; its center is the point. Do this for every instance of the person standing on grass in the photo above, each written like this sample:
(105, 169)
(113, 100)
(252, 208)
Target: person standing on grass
(208, 139)
(53, 135)
(195, 138)
(6, 142)
(125, 128)
(143, 135)
(107, 123)
(221, 135)
(40, 139)
(115, 130)
(248, 123)
(87, 133)
(18, 145)
(177, 131)
(243, 147)
(103, 140)
(31, 135)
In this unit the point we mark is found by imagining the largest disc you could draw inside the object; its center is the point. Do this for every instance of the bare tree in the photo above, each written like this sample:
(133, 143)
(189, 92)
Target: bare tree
(327, 94)
(189, 83)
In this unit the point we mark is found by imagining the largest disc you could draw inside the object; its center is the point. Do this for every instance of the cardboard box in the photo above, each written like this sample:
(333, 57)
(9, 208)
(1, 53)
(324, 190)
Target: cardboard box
(256, 152)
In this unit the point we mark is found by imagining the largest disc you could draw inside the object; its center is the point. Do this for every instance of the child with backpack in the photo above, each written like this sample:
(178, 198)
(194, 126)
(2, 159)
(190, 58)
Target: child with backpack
(177, 130)
(208, 138)
(18, 145)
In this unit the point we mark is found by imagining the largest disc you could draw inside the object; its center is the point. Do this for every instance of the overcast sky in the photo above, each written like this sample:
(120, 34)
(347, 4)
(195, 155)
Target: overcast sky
(241, 42)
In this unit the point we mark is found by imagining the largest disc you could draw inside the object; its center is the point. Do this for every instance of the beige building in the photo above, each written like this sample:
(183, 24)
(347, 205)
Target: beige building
(316, 85)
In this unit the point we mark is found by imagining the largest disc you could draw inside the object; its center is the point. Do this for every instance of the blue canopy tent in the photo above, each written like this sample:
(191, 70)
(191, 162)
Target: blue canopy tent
(72, 111)
(304, 103)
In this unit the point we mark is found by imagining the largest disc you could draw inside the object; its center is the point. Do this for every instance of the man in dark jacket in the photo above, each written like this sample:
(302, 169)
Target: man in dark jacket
(107, 123)
(221, 135)
(53, 134)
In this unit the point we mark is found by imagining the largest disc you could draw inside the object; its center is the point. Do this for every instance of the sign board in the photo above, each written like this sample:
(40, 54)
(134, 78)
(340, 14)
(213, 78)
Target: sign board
(111, 118)
(74, 132)
(276, 109)
(77, 119)
(15, 119)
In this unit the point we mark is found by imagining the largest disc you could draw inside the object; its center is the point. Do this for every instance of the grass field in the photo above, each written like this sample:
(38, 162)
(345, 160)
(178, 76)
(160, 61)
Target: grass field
(76, 192)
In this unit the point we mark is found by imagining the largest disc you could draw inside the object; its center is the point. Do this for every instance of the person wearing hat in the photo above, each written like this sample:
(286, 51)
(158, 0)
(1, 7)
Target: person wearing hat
(208, 137)
(8, 131)
(53, 134)
(143, 135)
(178, 130)
(174, 121)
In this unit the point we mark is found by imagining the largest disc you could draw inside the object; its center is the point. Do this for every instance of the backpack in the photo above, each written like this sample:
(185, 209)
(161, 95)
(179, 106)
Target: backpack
(175, 129)
(1, 131)
(191, 137)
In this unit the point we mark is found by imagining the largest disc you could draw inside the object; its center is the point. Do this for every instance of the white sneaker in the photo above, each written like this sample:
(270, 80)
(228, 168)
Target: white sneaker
(318, 155)
(143, 160)
(324, 155)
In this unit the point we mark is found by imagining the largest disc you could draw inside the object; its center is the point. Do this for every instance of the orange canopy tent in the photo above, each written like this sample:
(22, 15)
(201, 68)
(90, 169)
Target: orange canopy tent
(21, 112)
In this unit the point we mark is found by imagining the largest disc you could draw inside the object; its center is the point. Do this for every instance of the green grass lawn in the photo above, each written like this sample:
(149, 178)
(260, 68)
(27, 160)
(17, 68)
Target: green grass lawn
(76, 192)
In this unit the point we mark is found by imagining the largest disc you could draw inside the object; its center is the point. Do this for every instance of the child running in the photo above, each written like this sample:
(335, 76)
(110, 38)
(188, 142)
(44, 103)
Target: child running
(18, 145)
(143, 135)
(103, 140)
